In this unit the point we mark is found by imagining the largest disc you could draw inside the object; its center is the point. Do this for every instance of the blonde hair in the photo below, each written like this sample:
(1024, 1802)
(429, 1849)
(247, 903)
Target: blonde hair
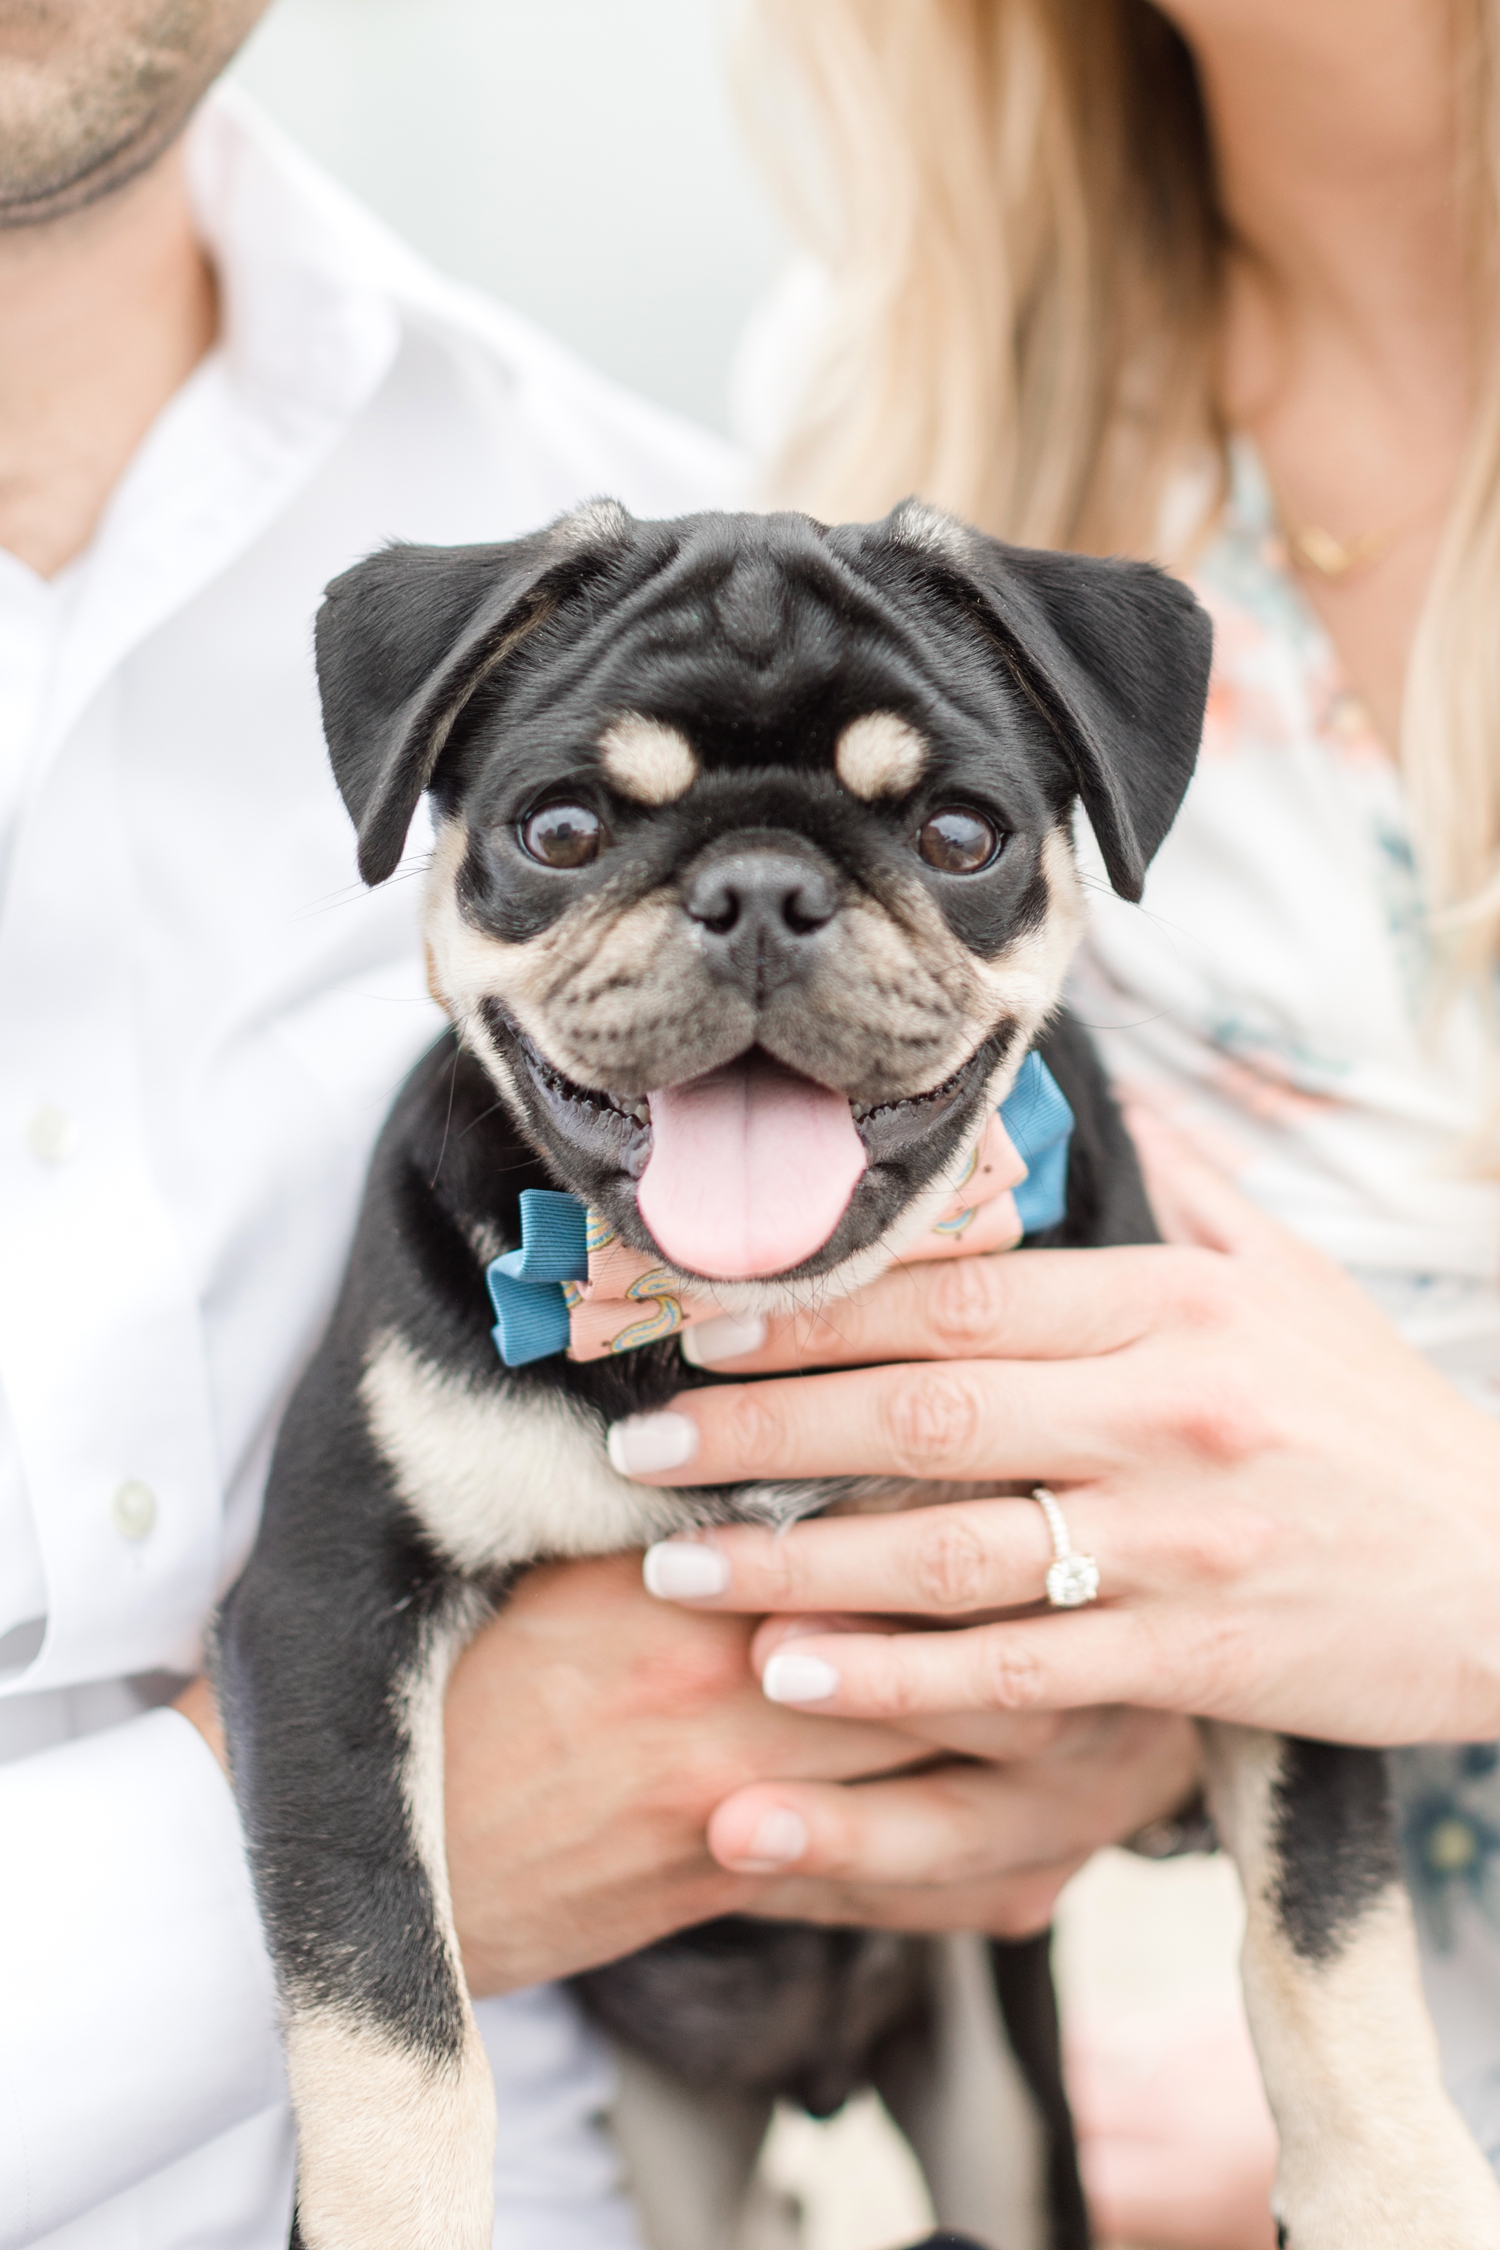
(1014, 204)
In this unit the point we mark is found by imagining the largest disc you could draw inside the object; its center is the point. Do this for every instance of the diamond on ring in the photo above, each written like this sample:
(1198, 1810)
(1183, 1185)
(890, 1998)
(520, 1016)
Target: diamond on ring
(1072, 1579)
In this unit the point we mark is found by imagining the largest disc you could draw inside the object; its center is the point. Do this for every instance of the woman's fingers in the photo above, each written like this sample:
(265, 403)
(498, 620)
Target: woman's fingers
(964, 1420)
(969, 1556)
(1049, 1663)
(995, 1736)
(941, 1827)
(936, 1827)
(965, 1823)
(960, 1561)
(1036, 1306)
(1039, 1305)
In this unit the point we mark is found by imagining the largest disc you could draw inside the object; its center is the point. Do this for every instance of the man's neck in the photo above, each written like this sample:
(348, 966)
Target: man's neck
(103, 315)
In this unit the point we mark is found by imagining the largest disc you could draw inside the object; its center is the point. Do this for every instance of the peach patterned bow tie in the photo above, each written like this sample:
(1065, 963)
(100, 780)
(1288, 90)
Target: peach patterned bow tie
(574, 1286)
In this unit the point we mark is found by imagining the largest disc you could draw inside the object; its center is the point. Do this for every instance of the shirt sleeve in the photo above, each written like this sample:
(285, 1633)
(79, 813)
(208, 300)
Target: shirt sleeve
(137, 2004)
(559, 2179)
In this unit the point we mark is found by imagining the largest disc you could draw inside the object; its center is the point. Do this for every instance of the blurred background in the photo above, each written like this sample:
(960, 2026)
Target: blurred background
(579, 158)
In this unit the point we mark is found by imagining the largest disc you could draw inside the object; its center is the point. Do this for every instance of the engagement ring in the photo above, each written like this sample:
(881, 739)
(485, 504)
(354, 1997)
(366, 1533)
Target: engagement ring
(1072, 1579)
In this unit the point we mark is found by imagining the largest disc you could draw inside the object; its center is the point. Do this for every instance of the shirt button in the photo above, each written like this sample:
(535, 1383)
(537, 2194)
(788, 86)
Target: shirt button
(54, 1135)
(134, 1509)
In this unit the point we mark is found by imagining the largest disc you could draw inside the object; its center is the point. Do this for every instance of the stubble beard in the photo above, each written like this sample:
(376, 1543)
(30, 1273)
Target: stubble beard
(92, 92)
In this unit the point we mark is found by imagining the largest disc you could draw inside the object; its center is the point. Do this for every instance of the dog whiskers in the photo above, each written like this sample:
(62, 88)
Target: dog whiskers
(448, 1116)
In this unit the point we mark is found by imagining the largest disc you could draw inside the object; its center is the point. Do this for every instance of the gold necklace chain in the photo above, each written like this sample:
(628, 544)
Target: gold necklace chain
(1335, 558)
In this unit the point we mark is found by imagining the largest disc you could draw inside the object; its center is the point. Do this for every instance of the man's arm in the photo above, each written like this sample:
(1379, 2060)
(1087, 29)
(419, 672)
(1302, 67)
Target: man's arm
(138, 2016)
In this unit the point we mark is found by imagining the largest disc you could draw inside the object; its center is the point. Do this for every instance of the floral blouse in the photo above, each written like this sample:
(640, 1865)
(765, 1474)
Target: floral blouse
(1275, 996)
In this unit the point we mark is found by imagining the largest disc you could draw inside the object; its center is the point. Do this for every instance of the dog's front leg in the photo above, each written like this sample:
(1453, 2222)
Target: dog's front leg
(1373, 2154)
(332, 1666)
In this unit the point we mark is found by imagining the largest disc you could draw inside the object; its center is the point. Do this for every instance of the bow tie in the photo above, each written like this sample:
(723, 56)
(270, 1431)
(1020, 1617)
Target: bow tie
(575, 1287)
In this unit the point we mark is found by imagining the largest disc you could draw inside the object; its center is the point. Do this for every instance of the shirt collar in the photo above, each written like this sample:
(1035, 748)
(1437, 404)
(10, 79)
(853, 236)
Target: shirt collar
(308, 281)
(310, 325)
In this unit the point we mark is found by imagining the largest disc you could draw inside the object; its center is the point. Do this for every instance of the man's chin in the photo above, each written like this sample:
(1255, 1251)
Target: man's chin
(26, 203)
(93, 94)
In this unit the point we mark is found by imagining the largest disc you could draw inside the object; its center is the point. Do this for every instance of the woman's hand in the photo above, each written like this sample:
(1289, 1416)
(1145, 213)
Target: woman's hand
(983, 1837)
(1296, 1521)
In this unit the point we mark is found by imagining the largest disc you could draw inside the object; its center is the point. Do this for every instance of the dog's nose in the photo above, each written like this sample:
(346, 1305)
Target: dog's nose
(757, 911)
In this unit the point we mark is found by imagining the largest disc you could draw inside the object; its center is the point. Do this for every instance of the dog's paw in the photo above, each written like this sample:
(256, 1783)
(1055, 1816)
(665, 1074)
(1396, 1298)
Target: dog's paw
(395, 2146)
(1424, 2187)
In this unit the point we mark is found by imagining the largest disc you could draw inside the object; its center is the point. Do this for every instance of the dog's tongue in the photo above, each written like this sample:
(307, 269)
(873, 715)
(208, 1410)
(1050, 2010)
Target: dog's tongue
(750, 1169)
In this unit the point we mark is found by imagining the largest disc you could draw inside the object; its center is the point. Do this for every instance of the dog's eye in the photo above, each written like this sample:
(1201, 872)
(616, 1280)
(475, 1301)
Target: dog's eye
(563, 835)
(958, 842)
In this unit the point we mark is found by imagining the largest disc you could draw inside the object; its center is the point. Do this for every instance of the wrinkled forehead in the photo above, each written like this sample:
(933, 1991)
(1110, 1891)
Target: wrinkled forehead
(756, 644)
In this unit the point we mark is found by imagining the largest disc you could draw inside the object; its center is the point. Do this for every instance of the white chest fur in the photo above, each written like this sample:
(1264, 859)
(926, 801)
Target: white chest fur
(494, 1478)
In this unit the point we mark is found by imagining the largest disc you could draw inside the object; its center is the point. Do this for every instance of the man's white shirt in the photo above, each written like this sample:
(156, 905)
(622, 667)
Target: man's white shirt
(202, 1020)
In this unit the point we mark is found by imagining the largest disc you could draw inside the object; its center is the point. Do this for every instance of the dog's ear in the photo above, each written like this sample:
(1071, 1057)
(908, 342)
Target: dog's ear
(404, 639)
(1117, 655)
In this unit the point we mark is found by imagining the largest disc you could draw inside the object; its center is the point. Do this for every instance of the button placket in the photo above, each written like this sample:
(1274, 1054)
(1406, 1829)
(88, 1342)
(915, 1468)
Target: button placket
(100, 1305)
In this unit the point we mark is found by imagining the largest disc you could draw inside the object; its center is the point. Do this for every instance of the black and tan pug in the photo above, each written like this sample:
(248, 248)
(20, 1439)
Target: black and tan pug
(753, 888)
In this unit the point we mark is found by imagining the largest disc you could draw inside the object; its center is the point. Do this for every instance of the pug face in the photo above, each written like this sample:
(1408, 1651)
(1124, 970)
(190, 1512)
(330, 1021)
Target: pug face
(754, 879)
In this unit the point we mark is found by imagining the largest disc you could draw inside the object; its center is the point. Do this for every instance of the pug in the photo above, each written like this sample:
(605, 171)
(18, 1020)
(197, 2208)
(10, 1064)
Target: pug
(751, 900)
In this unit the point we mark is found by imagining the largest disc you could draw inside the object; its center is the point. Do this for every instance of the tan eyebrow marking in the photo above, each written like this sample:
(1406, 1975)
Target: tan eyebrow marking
(880, 756)
(648, 761)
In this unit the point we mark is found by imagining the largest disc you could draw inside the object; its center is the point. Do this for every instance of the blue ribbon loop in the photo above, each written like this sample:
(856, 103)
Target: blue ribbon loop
(1036, 1115)
(526, 1285)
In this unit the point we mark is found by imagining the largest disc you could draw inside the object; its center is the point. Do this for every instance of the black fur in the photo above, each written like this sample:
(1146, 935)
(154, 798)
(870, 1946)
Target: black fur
(1335, 1840)
(1115, 655)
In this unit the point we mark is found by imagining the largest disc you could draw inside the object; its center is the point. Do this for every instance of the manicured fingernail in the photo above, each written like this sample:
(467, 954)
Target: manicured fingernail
(725, 1338)
(648, 1442)
(793, 1678)
(684, 1570)
(779, 1839)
